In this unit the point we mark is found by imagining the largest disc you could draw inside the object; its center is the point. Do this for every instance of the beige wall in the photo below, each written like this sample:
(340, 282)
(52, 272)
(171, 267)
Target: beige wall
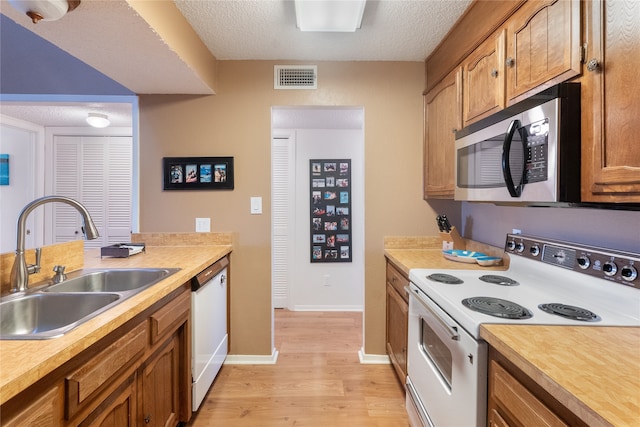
(236, 122)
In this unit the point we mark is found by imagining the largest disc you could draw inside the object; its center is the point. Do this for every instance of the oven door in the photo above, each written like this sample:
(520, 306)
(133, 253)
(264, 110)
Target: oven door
(447, 368)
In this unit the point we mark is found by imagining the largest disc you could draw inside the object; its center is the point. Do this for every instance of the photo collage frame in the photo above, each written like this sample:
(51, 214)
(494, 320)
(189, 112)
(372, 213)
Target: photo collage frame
(330, 214)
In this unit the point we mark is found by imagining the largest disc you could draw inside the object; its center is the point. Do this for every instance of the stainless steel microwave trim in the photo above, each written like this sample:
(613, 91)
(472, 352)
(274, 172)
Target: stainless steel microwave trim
(544, 167)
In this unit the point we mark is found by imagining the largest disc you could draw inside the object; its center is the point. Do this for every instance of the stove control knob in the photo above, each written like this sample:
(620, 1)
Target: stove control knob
(535, 250)
(610, 268)
(584, 262)
(520, 247)
(511, 245)
(629, 273)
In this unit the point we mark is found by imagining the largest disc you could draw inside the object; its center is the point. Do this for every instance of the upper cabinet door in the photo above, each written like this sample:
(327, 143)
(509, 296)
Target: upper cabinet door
(443, 116)
(484, 79)
(611, 103)
(543, 46)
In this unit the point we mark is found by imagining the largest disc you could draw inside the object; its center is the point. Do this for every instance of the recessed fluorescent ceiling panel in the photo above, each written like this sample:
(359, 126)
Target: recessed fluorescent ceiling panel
(329, 15)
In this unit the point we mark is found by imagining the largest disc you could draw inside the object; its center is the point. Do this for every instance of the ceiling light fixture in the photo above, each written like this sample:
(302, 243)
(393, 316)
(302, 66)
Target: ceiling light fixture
(45, 10)
(98, 120)
(329, 15)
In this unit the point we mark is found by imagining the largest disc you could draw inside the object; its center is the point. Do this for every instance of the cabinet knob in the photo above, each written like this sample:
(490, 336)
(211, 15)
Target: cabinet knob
(454, 130)
(593, 64)
(510, 61)
(494, 73)
(147, 419)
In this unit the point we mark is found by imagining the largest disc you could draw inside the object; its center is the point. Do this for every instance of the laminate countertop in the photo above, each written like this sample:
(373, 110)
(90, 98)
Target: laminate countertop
(593, 371)
(23, 362)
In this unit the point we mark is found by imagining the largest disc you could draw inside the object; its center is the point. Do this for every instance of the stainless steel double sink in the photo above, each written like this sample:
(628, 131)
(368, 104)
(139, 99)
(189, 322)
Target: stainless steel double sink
(51, 310)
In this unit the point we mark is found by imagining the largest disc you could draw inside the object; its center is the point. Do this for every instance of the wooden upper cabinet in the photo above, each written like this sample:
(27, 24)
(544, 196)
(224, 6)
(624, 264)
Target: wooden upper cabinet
(484, 79)
(611, 103)
(443, 116)
(543, 46)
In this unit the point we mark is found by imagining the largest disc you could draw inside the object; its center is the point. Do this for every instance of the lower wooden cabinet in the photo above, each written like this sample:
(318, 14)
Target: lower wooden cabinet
(515, 400)
(397, 320)
(159, 385)
(138, 375)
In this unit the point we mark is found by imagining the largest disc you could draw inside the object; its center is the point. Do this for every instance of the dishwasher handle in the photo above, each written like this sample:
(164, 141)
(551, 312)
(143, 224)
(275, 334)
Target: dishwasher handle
(209, 273)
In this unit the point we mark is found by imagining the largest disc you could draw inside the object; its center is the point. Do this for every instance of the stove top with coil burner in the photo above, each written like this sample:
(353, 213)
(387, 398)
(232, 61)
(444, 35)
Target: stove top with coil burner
(557, 283)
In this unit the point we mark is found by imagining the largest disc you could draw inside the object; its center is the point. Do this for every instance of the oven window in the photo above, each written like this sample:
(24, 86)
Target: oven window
(436, 351)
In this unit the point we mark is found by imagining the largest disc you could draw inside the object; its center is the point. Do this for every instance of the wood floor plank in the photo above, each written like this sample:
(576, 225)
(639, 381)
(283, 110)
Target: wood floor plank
(318, 381)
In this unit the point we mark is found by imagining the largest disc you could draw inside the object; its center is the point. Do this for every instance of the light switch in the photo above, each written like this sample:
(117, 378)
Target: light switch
(203, 225)
(256, 205)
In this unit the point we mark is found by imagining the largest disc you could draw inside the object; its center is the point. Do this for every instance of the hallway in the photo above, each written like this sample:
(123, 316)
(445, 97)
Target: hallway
(317, 381)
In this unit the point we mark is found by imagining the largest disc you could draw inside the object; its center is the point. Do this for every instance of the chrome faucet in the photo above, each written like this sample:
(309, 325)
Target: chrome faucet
(20, 271)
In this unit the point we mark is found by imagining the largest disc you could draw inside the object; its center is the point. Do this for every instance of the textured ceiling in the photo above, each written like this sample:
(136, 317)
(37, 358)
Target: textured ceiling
(67, 114)
(392, 30)
(110, 36)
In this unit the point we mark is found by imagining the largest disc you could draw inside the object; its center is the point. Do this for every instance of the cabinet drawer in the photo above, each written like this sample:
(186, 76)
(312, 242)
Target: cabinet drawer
(169, 317)
(45, 410)
(89, 380)
(519, 401)
(398, 280)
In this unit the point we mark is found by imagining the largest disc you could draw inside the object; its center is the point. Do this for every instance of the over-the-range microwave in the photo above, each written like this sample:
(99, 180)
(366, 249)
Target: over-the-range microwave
(526, 153)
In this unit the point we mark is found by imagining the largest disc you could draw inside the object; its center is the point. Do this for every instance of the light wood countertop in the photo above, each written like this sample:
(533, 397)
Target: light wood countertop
(593, 371)
(22, 363)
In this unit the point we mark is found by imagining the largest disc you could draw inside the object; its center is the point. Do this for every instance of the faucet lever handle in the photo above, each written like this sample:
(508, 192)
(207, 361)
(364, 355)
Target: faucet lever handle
(35, 268)
(59, 269)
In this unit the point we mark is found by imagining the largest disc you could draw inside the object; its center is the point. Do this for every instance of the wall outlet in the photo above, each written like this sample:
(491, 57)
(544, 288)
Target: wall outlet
(203, 225)
(326, 280)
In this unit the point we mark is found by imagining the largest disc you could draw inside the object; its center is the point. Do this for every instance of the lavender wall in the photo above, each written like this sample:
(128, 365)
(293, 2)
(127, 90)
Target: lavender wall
(31, 65)
(596, 227)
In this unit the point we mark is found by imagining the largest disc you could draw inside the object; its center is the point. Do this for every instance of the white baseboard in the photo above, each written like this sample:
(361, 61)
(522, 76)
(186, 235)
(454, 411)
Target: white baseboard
(252, 359)
(358, 308)
(373, 359)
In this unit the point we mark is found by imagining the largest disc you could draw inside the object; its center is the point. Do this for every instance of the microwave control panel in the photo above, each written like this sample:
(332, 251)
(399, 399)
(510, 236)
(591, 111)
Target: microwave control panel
(537, 146)
(615, 266)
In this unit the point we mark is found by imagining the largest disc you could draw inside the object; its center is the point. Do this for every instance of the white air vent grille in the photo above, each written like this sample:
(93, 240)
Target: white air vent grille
(295, 77)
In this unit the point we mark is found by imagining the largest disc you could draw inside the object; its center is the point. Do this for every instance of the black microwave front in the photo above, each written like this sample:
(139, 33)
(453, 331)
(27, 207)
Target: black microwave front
(527, 153)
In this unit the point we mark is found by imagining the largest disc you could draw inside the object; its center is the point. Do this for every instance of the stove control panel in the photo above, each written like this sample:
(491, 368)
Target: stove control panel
(608, 264)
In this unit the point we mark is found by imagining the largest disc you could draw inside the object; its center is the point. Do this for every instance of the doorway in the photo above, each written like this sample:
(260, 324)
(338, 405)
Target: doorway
(300, 134)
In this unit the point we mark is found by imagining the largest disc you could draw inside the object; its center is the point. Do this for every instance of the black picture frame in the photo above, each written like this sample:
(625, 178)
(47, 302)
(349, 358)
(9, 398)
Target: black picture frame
(330, 210)
(197, 173)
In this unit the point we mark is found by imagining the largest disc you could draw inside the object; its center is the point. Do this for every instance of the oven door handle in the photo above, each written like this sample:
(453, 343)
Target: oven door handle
(451, 330)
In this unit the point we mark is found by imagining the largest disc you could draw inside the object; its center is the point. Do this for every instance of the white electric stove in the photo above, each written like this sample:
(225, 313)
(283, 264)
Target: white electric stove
(547, 283)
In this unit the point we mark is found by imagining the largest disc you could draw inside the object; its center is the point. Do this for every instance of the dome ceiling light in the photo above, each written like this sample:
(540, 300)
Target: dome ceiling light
(98, 120)
(45, 10)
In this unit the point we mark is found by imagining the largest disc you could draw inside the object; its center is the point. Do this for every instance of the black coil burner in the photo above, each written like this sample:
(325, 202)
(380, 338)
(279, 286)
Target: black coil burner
(570, 312)
(498, 280)
(445, 278)
(497, 307)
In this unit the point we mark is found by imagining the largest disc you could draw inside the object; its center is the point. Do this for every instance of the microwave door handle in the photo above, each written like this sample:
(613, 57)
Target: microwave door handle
(506, 168)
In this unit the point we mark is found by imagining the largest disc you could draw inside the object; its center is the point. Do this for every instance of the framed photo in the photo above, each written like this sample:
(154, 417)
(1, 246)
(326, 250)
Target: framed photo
(197, 173)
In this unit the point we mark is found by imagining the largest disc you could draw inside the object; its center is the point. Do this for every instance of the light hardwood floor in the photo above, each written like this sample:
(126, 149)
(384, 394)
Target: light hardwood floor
(317, 381)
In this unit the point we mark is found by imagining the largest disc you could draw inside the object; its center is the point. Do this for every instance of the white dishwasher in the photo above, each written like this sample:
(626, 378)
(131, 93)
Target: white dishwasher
(209, 340)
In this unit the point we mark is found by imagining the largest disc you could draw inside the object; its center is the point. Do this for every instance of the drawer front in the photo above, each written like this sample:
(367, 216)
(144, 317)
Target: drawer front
(168, 318)
(519, 401)
(396, 279)
(101, 369)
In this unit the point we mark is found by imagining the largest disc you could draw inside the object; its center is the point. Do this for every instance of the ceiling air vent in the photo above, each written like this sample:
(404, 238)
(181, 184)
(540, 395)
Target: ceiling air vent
(295, 77)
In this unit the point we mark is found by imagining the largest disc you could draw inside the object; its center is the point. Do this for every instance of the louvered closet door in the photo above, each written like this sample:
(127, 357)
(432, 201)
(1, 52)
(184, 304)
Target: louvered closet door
(118, 191)
(281, 218)
(66, 158)
(96, 171)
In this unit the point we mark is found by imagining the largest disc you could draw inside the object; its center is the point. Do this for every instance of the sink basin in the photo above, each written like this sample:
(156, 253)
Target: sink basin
(111, 280)
(49, 311)
(42, 316)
